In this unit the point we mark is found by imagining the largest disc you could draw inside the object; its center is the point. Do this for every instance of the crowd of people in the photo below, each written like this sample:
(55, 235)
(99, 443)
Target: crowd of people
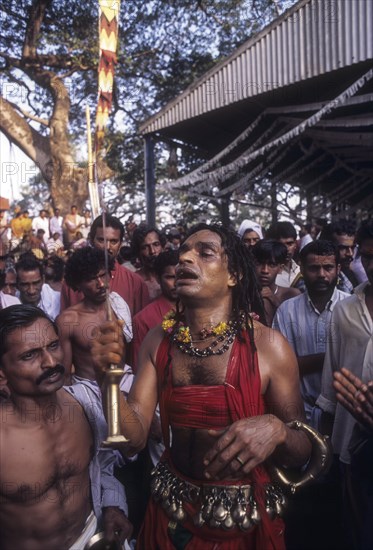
(44, 234)
(240, 350)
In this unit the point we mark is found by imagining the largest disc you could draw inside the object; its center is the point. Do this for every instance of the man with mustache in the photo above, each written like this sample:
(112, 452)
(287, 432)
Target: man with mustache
(147, 243)
(227, 387)
(32, 288)
(342, 233)
(56, 483)
(306, 321)
(86, 273)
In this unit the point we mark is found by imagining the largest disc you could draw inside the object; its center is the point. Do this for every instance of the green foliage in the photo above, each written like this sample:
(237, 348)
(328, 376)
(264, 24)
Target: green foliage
(164, 45)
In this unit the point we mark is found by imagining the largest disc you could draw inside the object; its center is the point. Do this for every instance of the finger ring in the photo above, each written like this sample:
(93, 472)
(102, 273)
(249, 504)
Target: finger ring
(240, 460)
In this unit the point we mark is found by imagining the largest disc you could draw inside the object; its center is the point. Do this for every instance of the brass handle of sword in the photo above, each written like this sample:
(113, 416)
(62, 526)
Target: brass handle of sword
(113, 377)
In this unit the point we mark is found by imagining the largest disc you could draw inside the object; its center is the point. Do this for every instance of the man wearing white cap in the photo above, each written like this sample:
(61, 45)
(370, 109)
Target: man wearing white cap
(250, 232)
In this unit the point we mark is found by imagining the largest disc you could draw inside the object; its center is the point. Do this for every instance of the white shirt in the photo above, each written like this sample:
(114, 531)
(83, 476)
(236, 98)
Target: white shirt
(357, 268)
(286, 278)
(50, 301)
(350, 345)
(55, 225)
(7, 300)
(122, 311)
(41, 223)
(305, 240)
(306, 330)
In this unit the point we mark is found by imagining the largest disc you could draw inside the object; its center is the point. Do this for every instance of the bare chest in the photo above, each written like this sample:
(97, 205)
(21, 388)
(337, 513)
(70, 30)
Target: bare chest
(190, 370)
(85, 328)
(37, 460)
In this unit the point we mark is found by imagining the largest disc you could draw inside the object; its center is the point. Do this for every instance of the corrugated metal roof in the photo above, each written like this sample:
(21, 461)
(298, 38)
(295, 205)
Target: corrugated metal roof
(314, 37)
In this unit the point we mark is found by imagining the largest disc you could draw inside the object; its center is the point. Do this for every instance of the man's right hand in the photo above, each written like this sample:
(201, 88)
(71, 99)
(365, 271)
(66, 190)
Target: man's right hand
(107, 346)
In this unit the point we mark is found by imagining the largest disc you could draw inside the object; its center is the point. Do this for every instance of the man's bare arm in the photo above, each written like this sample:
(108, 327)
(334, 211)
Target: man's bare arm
(136, 413)
(286, 404)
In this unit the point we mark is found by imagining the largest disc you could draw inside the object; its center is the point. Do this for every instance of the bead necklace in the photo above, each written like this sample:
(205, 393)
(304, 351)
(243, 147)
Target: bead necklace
(224, 332)
(189, 349)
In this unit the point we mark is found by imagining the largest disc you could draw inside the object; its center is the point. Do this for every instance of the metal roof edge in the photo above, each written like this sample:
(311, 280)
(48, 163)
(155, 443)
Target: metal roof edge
(248, 43)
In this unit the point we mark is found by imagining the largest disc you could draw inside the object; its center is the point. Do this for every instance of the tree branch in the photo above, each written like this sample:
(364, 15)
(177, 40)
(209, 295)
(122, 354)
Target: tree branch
(42, 121)
(19, 132)
(22, 84)
(35, 20)
(39, 62)
(26, 114)
(203, 8)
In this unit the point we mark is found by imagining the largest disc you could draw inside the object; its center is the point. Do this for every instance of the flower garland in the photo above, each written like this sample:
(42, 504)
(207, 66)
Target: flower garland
(183, 332)
(223, 332)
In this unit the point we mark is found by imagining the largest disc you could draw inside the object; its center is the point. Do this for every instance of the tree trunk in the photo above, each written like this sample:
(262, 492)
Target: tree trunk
(52, 153)
(67, 181)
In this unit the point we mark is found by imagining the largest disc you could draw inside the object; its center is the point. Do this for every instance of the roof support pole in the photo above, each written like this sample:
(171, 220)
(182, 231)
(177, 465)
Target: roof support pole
(274, 204)
(149, 180)
(224, 210)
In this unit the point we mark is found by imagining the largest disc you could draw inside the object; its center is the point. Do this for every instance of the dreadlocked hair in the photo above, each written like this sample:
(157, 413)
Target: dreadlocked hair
(246, 295)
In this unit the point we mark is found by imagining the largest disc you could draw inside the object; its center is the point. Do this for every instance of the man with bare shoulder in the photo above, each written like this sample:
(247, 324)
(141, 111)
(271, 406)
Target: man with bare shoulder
(106, 233)
(56, 484)
(86, 272)
(228, 390)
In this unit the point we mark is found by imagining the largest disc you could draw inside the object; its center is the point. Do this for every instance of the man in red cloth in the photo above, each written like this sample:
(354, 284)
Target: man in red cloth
(153, 313)
(228, 386)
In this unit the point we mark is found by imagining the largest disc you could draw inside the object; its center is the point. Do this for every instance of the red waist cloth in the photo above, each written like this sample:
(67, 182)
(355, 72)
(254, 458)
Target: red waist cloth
(242, 399)
(200, 407)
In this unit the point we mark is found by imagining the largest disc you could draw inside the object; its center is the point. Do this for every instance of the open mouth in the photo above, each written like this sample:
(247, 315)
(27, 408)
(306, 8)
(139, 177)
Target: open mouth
(185, 274)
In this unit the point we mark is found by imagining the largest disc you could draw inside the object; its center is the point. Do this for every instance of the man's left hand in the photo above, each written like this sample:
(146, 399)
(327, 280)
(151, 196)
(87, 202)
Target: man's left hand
(244, 445)
(355, 396)
(116, 526)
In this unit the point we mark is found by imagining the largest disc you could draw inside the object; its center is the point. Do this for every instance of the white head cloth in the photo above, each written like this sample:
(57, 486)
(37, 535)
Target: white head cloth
(248, 224)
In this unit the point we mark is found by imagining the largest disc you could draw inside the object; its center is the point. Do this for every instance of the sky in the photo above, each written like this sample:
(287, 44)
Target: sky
(16, 169)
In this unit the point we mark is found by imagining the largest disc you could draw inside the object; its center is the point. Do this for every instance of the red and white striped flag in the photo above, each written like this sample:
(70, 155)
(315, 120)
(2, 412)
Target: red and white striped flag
(108, 38)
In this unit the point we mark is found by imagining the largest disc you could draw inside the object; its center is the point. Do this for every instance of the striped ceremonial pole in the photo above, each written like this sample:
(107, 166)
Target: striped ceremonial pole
(108, 37)
(108, 40)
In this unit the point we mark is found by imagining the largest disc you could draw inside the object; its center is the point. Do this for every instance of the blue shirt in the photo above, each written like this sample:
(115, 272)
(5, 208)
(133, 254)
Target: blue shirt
(306, 330)
(106, 490)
